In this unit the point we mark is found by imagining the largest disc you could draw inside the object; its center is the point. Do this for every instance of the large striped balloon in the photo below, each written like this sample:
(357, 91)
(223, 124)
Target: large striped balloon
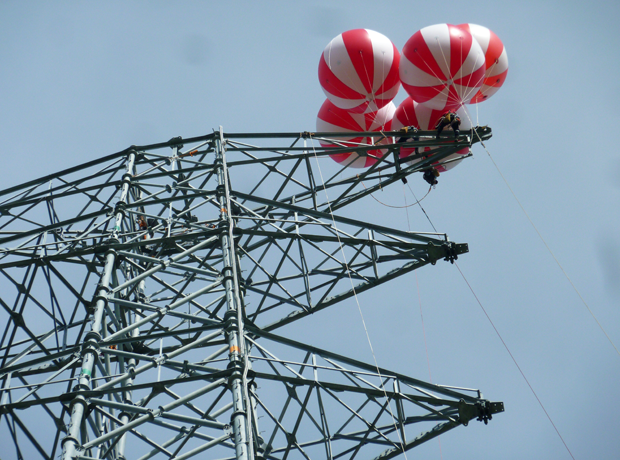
(334, 119)
(411, 113)
(496, 60)
(358, 71)
(442, 66)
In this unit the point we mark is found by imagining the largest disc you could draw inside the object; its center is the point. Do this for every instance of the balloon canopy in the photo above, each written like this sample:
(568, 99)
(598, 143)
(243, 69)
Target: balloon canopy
(442, 66)
(335, 119)
(411, 113)
(358, 71)
(496, 60)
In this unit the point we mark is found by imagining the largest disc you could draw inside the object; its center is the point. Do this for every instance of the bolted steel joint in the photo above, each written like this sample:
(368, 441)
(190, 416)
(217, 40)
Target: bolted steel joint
(99, 297)
(119, 208)
(230, 321)
(236, 414)
(127, 178)
(92, 338)
(236, 366)
(67, 439)
(227, 274)
(163, 311)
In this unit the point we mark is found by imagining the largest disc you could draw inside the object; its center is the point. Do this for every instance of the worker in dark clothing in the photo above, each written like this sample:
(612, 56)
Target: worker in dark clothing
(147, 224)
(408, 130)
(143, 223)
(412, 131)
(430, 176)
(449, 119)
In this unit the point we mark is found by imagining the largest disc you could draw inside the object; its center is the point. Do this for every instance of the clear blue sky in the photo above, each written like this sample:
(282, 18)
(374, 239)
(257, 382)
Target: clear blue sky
(79, 80)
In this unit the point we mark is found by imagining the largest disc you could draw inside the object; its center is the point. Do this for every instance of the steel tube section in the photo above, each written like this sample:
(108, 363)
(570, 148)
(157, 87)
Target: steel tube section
(325, 215)
(370, 392)
(329, 301)
(152, 364)
(162, 311)
(485, 131)
(142, 306)
(120, 406)
(152, 414)
(437, 430)
(49, 380)
(193, 420)
(114, 243)
(163, 264)
(171, 441)
(196, 434)
(27, 350)
(202, 448)
(371, 368)
(127, 386)
(64, 172)
(482, 133)
(6, 389)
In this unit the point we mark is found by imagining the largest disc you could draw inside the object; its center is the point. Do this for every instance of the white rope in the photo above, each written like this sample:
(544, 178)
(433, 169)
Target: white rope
(358, 303)
(514, 195)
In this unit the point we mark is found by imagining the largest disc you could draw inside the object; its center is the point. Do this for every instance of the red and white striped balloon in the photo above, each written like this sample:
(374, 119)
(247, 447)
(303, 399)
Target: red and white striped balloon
(334, 119)
(411, 113)
(496, 60)
(358, 71)
(442, 66)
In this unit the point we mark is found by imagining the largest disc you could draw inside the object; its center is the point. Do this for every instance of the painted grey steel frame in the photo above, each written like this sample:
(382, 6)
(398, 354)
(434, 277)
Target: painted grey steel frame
(144, 292)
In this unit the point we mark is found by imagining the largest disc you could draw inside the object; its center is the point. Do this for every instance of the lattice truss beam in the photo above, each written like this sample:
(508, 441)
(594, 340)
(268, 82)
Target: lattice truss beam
(141, 293)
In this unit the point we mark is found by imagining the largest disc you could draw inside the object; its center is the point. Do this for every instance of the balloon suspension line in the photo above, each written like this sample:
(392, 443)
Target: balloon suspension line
(515, 362)
(359, 308)
(430, 69)
(428, 361)
(476, 86)
(446, 86)
(548, 248)
(419, 203)
(447, 65)
(397, 207)
(368, 80)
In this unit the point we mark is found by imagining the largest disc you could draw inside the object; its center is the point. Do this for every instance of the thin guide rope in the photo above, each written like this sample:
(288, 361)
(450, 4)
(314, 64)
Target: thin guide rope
(428, 361)
(515, 361)
(514, 195)
(389, 405)
(500, 336)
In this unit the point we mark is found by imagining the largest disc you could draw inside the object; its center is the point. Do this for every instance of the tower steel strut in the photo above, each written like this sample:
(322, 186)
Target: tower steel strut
(145, 296)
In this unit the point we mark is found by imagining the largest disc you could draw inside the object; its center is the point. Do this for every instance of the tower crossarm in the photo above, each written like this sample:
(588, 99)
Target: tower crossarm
(146, 297)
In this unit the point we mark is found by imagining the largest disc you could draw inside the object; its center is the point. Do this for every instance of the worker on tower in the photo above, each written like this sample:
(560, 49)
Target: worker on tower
(430, 176)
(412, 130)
(449, 119)
(147, 225)
(411, 133)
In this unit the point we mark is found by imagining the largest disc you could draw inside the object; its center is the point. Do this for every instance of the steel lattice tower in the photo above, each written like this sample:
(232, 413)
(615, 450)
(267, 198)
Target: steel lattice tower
(144, 292)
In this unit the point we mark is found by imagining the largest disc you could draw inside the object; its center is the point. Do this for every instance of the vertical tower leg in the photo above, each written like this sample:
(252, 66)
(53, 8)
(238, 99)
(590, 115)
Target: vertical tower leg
(90, 346)
(237, 355)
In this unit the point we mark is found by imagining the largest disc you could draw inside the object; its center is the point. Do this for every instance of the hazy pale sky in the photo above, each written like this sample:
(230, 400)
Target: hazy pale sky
(79, 80)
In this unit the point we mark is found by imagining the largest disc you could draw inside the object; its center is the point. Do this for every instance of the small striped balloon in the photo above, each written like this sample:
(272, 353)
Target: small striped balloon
(358, 71)
(496, 60)
(336, 120)
(442, 66)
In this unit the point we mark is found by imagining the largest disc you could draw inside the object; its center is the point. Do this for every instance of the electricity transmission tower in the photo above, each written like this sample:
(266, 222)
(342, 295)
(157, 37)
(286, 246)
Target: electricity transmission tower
(145, 296)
